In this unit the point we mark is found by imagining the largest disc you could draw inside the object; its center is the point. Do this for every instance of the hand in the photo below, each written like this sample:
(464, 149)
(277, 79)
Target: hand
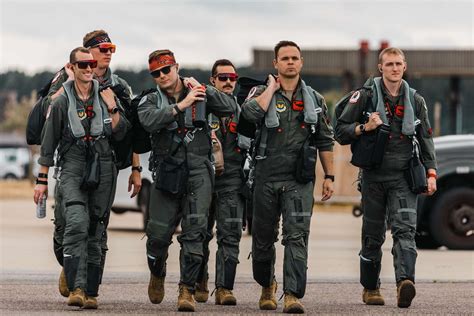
(40, 190)
(135, 181)
(328, 189)
(197, 93)
(109, 98)
(69, 72)
(373, 122)
(273, 83)
(191, 81)
(431, 186)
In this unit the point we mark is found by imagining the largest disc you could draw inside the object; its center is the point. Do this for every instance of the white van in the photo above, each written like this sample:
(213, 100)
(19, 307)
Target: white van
(14, 162)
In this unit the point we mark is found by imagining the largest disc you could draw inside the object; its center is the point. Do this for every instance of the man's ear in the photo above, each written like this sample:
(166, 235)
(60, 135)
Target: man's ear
(212, 80)
(274, 63)
(380, 67)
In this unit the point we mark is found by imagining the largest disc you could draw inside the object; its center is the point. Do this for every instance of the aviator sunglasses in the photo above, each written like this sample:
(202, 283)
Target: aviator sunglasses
(165, 70)
(106, 47)
(227, 76)
(83, 64)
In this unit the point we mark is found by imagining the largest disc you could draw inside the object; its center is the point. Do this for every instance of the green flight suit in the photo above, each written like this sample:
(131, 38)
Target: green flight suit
(386, 197)
(227, 204)
(277, 192)
(59, 222)
(192, 208)
(84, 212)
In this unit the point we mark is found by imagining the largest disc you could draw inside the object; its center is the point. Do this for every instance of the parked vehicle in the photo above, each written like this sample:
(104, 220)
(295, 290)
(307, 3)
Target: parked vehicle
(14, 162)
(447, 217)
(123, 203)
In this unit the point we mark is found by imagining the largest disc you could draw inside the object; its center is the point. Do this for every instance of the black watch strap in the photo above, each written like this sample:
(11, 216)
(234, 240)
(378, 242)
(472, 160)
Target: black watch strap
(177, 109)
(329, 176)
(137, 168)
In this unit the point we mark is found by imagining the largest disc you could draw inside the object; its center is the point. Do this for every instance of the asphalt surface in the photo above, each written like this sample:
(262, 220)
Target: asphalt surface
(29, 272)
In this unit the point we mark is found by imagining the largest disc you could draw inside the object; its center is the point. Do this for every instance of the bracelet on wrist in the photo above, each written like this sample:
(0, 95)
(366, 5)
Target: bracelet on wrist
(176, 107)
(137, 168)
(41, 182)
(42, 175)
(432, 175)
(329, 176)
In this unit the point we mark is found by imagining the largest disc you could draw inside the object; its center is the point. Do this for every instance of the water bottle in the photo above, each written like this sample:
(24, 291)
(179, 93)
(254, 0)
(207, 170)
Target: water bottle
(41, 207)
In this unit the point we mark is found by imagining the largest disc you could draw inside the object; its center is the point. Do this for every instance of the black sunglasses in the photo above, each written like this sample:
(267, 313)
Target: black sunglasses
(227, 76)
(83, 64)
(165, 70)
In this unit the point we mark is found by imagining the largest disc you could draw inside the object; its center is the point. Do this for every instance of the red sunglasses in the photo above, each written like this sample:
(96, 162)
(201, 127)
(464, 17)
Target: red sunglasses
(106, 47)
(83, 64)
(227, 76)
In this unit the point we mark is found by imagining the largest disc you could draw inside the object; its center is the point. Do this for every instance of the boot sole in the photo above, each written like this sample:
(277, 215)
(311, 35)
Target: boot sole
(407, 293)
(268, 307)
(87, 306)
(294, 310)
(186, 308)
(75, 303)
(201, 298)
(228, 303)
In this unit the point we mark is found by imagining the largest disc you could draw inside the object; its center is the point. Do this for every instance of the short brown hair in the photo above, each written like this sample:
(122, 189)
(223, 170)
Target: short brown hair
(221, 62)
(72, 55)
(283, 44)
(91, 35)
(392, 51)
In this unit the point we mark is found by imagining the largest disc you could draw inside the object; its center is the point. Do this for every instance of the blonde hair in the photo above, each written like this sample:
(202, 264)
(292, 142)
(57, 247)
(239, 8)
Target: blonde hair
(392, 51)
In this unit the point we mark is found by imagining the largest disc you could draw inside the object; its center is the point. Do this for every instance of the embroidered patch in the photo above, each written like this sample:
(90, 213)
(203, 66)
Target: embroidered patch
(399, 110)
(280, 106)
(251, 93)
(81, 113)
(214, 125)
(355, 97)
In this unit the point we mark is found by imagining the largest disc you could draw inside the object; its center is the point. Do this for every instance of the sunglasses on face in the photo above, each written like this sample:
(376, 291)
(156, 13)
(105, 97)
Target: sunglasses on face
(106, 47)
(83, 64)
(229, 76)
(165, 70)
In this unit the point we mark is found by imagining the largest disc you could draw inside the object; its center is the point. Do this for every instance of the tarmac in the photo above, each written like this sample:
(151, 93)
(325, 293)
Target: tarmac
(29, 271)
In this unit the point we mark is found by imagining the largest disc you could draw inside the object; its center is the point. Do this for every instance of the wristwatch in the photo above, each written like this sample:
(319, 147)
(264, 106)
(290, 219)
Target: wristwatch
(329, 176)
(114, 110)
(362, 128)
(137, 168)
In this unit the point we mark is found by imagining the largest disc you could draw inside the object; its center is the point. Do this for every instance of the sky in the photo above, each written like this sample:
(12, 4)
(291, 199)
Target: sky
(38, 35)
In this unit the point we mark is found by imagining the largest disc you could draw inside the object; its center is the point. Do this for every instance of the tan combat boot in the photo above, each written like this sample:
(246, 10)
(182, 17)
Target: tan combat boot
(372, 297)
(292, 305)
(225, 297)
(76, 298)
(267, 299)
(156, 289)
(63, 290)
(90, 302)
(405, 293)
(186, 301)
(202, 292)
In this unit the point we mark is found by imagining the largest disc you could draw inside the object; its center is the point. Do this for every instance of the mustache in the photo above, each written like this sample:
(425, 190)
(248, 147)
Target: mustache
(227, 86)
